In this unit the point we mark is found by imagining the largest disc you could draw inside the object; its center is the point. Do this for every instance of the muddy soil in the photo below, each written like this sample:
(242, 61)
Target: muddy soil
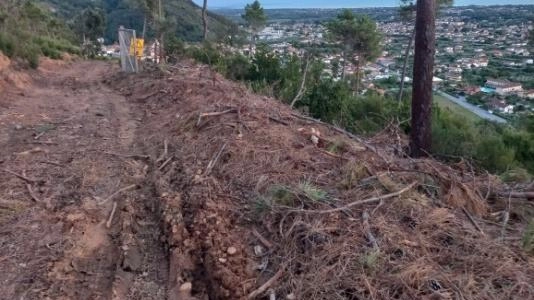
(78, 214)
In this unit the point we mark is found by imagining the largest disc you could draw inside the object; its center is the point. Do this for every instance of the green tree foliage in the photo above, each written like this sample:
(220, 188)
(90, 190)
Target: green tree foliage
(90, 24)
(182, 15)
(359, 38)
(493, 155)
(255, 19)
(531, 38)
(497, 148)
(407, 8)
(265, 66)
(28, 31)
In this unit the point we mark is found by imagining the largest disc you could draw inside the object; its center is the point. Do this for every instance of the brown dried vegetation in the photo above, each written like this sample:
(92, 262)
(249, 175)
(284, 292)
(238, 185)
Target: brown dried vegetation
(437, 240)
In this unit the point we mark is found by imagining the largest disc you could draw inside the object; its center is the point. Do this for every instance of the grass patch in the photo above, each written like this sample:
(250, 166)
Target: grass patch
(281, 195)
(456, 109)
(312, 192)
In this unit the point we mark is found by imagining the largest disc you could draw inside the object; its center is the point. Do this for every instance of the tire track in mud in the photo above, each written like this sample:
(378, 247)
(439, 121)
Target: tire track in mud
(66, 251)
(168, 237)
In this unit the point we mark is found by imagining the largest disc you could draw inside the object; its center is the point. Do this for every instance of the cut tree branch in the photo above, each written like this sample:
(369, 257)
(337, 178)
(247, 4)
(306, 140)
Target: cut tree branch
(360, 202)
(266, 285)
(343, 131)
(28, 180)
(125, 189)
(213, 162)
(214, 114)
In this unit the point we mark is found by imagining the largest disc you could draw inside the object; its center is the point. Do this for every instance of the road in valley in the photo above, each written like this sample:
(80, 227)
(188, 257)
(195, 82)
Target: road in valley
(474, 109)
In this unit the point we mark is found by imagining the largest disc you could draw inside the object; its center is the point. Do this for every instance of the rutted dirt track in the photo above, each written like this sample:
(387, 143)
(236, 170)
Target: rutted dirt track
(70, 135)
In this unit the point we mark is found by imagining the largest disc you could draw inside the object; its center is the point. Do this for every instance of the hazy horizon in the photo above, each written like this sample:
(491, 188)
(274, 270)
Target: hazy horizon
(344, 3)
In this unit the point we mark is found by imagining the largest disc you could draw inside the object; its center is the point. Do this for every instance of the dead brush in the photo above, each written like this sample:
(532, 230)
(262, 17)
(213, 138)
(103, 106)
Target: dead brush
(312, 205)
(9, 209)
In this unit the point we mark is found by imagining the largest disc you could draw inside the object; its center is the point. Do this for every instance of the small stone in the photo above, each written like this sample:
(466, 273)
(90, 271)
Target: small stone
(222, 260)
(315, 139)
(231, 250)
(186, 287)
(291, 297)
(258, 250)
(133, 260)
(18, 127)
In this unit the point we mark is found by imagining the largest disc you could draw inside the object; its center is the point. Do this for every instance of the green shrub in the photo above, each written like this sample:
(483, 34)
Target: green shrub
(7, 45)
(493, 155)
(237, 67)
(516, 175)
(528, 238)
(30, 53)
(494, 147)
(174, 47)
(30, 31)
(451, 135)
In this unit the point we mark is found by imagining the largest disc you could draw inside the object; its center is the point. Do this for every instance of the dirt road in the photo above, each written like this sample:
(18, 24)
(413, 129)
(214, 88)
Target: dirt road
(66, 146)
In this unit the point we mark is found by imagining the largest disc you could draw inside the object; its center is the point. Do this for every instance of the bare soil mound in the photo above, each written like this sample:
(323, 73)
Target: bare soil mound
(258, 201)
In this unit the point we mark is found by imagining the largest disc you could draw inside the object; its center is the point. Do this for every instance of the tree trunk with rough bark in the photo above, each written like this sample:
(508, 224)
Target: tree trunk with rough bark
(423, 69)
(405, 64)
(251, 45)
(358, 67)
(205, 19)
(343, 65)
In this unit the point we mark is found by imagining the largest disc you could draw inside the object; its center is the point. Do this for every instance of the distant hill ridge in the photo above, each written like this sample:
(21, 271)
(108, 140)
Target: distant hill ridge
(184, 14)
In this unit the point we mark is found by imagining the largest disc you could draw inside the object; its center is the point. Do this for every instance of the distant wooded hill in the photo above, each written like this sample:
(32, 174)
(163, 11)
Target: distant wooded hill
(183, 15)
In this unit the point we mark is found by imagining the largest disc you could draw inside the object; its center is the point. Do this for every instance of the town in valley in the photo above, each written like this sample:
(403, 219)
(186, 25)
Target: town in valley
(482, 57)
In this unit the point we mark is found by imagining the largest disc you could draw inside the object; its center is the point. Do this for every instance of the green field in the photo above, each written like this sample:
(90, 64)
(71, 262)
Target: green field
(444, 103)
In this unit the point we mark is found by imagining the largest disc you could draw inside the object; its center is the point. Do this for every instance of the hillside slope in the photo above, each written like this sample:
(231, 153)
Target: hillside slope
(184, 14)
(178, 184)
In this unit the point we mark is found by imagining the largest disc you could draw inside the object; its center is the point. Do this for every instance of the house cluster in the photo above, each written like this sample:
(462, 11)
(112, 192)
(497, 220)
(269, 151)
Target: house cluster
(500, 105)
(504, 87)
(499, 90)
(305, 33)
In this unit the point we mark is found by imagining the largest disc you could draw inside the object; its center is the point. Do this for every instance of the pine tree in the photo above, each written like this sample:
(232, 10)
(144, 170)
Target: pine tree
(425, 48)
(256, 19)
(359, 37)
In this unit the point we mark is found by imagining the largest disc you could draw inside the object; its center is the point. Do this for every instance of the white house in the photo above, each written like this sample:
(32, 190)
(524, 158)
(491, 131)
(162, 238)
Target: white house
(503, 87)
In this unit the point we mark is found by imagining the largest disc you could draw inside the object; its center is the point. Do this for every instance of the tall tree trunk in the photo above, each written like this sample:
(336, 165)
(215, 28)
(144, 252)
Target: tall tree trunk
(252, 42)
(161, 34)
(205, 19)
(425, 48)
(302, 89)
(161, 49)
(405, 64)
(144, 27)
(343, 66)
(358, 77)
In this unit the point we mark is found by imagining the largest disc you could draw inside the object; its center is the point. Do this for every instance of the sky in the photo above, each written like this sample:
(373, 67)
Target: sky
(342, 3)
